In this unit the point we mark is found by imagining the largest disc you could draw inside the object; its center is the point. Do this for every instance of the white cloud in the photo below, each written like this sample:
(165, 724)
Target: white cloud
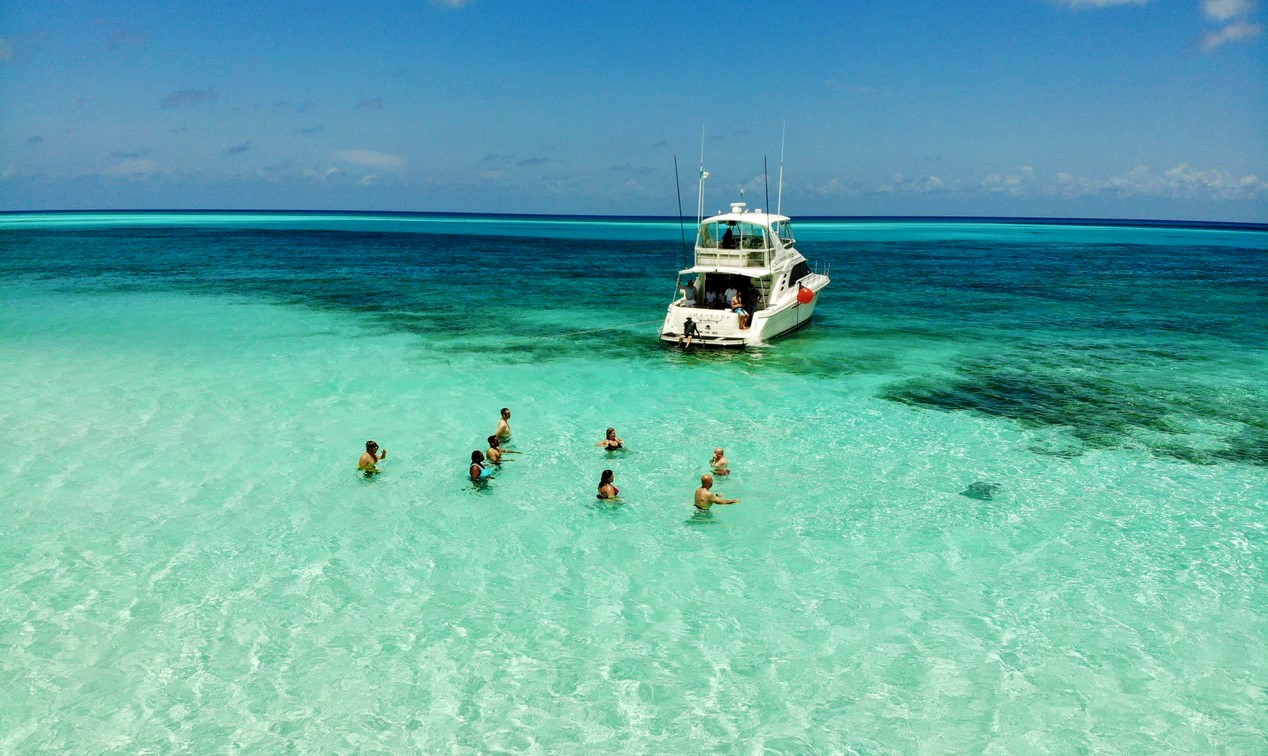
(370, 159)
(368, 180)
(1232, 33)
(321, 175)
(1180, 182)
(1234, 18)
(1099, 3)
(1016, 184)
(900, 184)
(1223, 11)
(136, 168)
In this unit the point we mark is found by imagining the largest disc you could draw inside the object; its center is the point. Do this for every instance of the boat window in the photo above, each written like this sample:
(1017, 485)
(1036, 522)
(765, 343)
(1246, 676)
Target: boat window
(784, 229)
(799, 271)
(732, 235)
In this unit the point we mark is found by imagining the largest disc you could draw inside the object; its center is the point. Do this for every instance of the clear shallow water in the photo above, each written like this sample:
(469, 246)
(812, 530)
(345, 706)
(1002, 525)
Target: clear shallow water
(1006, 494)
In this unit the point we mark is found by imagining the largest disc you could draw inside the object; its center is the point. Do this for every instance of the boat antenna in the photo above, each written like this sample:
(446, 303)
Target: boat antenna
(703, 175)
(779, 208)
(766, 183)
(682, 228)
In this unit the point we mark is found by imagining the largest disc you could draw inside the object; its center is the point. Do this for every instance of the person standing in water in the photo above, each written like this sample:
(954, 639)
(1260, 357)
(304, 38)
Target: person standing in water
(478, 471)
(495, 452)
(371, 457)
(719, 463)
(606, 488)
(502, 434)
(610, 442)
(706, 498)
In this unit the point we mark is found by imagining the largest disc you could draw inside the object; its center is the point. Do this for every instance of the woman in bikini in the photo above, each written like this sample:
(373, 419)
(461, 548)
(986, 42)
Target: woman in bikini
(611, 442)
(606, 489)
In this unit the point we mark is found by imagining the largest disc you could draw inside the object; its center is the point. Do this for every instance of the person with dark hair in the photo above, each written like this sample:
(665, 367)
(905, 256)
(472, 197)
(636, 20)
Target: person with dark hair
(478, 470)
(737, 306)
(689, 331)
(728, 238)
(504, 426)
(495, 451)
(371, 457)
(606, 489)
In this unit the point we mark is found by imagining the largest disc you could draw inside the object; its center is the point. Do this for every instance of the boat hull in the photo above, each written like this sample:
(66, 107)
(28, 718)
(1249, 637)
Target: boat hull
(721, 328)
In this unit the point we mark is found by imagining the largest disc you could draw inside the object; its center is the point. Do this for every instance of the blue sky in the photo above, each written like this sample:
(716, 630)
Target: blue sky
(1089, 108)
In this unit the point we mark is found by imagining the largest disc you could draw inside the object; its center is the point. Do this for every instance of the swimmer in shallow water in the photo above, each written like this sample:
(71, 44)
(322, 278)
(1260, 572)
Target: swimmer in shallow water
(719, 463)
(706, 498)
(495, 452)
(611, 442)
(606, 489)
(478, 470)
(371, 457)
(504, 426)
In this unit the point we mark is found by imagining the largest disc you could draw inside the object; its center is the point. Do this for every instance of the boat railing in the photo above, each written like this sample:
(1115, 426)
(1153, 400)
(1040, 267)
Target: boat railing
(733, 258)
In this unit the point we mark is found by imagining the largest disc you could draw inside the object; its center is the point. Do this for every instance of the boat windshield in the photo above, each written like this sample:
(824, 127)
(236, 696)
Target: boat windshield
(784, 229)
(732, 235)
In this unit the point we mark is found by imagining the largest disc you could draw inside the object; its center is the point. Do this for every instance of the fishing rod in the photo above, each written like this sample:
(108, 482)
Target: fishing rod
(682, 228)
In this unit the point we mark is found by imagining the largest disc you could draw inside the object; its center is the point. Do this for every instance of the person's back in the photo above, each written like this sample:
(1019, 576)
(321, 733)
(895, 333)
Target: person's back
(706, 498)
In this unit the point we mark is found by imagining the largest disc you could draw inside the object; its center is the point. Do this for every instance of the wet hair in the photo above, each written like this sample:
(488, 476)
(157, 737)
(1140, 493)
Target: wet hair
(370, 445)
(605, 478)
(477, 456)
(505, 411)
(611, 432)
(493, 441)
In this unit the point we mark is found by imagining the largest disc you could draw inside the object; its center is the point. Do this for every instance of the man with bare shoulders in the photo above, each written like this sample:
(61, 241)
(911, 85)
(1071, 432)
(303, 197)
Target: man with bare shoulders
(719, 462)
(371, 458)
(504, 426)
(706, 498)
(495, 452)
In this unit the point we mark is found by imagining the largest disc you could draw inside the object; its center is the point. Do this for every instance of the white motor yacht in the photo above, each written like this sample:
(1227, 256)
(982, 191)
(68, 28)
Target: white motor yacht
(750, 253)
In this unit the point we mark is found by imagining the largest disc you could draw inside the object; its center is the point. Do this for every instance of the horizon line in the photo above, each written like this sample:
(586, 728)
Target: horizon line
(1001, 219)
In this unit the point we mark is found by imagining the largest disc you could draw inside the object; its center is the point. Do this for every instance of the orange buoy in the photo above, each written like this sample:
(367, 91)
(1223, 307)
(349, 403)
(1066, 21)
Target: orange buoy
(805, 296)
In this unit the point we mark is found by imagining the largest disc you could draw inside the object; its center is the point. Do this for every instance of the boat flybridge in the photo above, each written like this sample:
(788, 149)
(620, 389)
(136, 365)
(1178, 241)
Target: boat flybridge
(749, 254)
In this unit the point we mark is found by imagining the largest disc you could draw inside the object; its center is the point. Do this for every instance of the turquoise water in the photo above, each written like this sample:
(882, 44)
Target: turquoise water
(1008, 493)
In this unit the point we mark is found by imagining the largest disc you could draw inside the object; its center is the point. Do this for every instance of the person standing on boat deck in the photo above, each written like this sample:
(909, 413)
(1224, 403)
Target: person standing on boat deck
(611, 442)
(751, 297)
(737, 307)
(711, 300)
(689, 294)
(370, 458)
(719, 462)
(606, 489)
(706, 498)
